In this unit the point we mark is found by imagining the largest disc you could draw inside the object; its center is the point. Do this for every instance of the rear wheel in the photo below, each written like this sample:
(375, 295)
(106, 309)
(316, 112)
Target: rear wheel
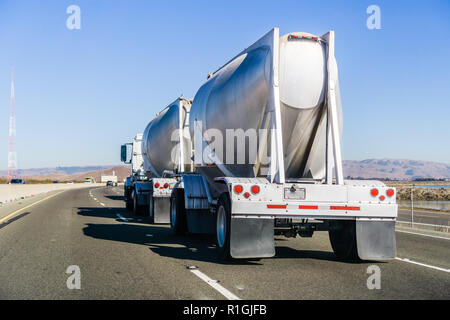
(343, 239)
(151, 210)
(223, 223)
(136, 207)
(128, 204)
(178, 222)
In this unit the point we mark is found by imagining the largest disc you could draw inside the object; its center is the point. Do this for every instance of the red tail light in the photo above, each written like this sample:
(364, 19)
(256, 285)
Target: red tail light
(382, 198)
(166, 185)
(246, 195)
(374, 192)
(255, 189)
(390, 192)
(238, 189)
(157, 185)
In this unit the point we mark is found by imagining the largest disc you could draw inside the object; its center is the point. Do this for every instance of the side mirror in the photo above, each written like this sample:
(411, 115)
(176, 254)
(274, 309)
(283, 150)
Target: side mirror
(124, 154)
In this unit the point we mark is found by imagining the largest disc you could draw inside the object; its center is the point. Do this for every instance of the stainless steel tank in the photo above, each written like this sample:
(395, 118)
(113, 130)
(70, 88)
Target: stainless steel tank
(161, 140)
(236, 97)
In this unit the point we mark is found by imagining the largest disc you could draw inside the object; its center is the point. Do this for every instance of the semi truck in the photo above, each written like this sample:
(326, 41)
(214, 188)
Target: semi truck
(163, 150)
(263, 156)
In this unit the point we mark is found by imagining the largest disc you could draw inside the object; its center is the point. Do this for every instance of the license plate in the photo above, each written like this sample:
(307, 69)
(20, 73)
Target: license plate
(294, 194)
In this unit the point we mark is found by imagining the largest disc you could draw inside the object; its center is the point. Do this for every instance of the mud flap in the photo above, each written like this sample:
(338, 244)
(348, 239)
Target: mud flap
(161, 210)
(376, 240)
(252, 238)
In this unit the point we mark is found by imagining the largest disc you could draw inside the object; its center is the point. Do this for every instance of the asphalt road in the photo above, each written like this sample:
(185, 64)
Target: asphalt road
(421, 216)
(124, 257)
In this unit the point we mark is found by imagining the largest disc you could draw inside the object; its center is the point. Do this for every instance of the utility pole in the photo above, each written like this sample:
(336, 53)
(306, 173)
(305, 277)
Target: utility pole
(12, 154)
(412, 206)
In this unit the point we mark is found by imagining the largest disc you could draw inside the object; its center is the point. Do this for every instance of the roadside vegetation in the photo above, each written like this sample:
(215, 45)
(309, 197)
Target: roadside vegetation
(420, 192)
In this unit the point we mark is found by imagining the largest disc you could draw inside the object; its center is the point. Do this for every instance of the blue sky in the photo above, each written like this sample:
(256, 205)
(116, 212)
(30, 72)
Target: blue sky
(81, 93)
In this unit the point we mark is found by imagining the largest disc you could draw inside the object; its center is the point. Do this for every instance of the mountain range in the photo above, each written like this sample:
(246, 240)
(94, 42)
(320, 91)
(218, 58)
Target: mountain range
(72, 173)
(392, 169)
(396, 169)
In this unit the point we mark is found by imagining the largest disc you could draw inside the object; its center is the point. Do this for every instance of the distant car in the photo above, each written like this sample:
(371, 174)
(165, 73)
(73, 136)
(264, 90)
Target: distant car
(109, 183)
(17, 181)
(55, 181)
(69, 182)
(88, 181)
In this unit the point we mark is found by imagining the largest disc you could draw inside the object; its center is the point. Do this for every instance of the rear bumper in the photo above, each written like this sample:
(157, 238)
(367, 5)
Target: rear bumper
(306, 210)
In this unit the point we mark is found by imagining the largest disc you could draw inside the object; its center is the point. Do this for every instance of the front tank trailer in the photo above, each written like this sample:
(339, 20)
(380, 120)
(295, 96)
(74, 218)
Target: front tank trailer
(155, 156)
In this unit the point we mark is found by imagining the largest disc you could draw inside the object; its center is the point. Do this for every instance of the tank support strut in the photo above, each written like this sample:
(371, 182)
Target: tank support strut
(333, 137)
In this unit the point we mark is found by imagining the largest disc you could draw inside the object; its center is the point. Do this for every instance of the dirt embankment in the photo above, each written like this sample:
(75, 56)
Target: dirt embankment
(420, 192)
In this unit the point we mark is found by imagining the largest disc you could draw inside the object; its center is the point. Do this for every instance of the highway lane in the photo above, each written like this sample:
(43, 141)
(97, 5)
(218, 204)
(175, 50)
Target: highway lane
(123, 257)
(37, 249)
(421, 216)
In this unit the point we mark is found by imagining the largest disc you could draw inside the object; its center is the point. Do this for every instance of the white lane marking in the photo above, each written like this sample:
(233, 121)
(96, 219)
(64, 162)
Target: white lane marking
(101, 203)
(421, 234)
(422, 264)
(149, 235)
(122, 218)
(227, 294)
(95, 198)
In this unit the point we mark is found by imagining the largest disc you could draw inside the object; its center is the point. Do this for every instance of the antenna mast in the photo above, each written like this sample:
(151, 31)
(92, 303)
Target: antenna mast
(12, 154)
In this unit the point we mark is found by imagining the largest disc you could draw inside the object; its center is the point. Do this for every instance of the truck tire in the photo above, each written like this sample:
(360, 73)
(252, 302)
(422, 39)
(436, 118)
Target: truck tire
(128, 205)
(343, 240)
(136, 208)
(151, 210)
(178, 221)
(223, 223)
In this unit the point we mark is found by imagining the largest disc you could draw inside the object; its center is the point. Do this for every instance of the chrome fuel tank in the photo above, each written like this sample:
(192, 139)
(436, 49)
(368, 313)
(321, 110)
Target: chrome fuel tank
(237, 97)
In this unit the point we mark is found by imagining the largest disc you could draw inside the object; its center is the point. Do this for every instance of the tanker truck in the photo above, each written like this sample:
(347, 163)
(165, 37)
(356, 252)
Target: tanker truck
(165, 149)
(265, 130)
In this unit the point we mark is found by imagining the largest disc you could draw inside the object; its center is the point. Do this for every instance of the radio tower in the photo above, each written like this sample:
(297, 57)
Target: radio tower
(12, 154)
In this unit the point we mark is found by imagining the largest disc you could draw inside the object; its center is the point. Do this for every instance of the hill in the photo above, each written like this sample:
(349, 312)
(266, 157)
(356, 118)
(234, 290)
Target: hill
(396, 169)
(74, 173)
(55, 171)
(386, 169)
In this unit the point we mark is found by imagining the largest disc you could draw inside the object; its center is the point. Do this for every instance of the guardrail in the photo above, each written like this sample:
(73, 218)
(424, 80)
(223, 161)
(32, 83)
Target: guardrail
(13, 192)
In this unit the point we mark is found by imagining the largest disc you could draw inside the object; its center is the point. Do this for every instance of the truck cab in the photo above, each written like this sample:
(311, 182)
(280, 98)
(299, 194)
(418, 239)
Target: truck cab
(131, 154)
